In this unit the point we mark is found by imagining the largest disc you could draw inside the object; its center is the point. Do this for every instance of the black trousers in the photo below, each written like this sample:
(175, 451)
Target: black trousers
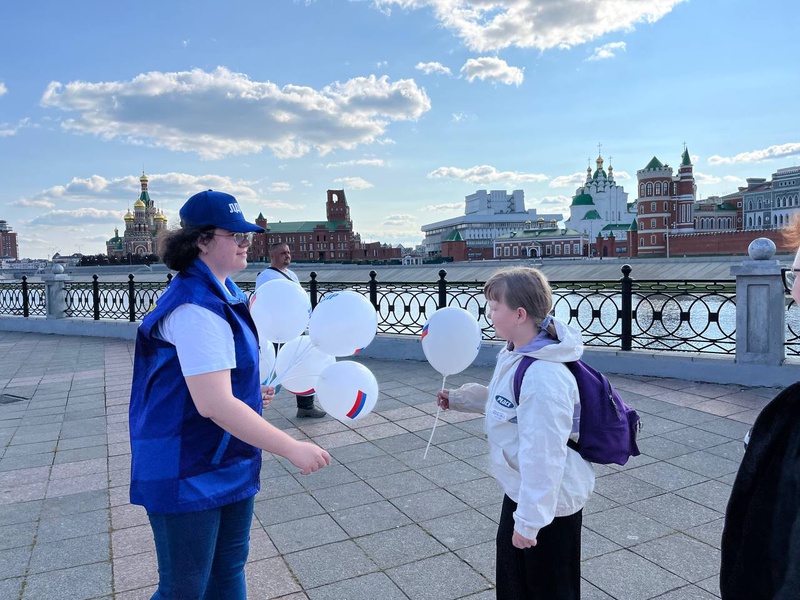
(551, 570)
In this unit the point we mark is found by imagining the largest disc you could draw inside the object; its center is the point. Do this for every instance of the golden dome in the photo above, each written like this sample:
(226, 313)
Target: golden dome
(129, 216)
(160, 216)
(143, 177)
(139, 204)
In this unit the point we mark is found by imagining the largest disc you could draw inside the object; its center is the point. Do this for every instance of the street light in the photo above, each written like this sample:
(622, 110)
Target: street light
(666, 237)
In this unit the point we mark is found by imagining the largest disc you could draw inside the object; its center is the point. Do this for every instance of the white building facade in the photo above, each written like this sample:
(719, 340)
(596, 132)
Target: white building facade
(487, 216)
(601, 205)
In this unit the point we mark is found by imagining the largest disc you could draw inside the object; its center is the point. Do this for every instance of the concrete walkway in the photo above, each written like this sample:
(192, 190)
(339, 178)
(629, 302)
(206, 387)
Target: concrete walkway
(381, 522)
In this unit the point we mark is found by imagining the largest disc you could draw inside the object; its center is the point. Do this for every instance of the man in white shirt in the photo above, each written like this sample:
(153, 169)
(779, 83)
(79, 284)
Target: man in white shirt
(280, 257)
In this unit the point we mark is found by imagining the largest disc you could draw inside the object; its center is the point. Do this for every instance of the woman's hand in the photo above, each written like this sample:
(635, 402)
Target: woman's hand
(443, 399)
(267, 394)
(521, 542)
(308, 457)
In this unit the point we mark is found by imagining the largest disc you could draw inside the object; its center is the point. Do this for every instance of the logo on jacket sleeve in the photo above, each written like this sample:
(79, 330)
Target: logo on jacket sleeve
(504, 402)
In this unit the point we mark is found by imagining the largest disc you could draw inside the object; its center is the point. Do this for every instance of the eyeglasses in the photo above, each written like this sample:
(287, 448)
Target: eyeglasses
(789, 277)
(239, 237)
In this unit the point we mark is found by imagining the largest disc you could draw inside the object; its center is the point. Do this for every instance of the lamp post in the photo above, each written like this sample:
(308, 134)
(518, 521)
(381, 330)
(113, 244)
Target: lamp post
(666, 237)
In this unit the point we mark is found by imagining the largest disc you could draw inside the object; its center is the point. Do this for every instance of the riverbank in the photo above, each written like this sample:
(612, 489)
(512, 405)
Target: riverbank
(658, 269)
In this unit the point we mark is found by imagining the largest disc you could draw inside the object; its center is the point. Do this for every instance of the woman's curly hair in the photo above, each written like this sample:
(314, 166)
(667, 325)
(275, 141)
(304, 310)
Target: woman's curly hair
(178, 248)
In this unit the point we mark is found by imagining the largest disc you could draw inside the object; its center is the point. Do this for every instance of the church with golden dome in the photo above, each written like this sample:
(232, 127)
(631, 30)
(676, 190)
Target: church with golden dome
(142, 226)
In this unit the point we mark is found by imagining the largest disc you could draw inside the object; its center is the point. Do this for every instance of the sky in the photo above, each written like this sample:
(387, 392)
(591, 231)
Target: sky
(407, 105)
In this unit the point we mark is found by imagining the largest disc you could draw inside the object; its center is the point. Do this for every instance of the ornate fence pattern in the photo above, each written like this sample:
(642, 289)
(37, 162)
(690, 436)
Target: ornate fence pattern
(687, 315)
(23, 299)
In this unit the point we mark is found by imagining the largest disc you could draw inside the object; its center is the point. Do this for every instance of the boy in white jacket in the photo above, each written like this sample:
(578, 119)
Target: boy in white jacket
(546, 484)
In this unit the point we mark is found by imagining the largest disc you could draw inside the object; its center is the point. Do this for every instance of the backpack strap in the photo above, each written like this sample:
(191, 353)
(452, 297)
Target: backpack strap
(282, 273)
(519, 375)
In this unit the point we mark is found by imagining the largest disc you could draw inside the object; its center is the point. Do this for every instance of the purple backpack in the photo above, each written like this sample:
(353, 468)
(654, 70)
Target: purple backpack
(608, 426)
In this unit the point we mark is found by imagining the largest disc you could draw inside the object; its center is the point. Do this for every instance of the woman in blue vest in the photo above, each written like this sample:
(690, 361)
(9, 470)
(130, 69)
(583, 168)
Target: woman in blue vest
(195, 412)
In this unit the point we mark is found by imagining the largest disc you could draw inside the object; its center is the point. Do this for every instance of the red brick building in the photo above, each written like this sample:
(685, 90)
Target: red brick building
(332, 240)
(8, 242)
(665, 204)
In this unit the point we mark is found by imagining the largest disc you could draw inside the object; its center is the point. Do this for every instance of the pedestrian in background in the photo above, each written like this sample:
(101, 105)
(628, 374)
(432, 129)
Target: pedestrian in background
(280, 257)
(195, 412)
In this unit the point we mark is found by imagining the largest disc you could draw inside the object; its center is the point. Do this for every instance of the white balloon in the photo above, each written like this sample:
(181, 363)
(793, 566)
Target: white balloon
(343, 323)
(266, 360)
(347, 390)
(299, 365)
(451, 340)
(280, 309)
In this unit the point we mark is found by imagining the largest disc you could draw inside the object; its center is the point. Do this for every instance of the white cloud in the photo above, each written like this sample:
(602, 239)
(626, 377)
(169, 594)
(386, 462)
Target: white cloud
(553, 201)
(221, 113)
(3, 89)
(488, 68)
(280, 186)
(607, 51)
(485, 174)
(733, 179)
(433, 68)
(706, 179)
(279, 205)
(458, 117)
(172, 189)
(574, 180)
(79, 216)
(491, 25)
(449, 207)
(773, 152)
(621, 175)
(353, 183)
(400, 220)
(381, 63)
(7, 129)
(361, 162)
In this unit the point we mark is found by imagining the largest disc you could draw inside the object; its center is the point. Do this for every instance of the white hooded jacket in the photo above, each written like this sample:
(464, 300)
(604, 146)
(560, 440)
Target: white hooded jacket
(528, 443)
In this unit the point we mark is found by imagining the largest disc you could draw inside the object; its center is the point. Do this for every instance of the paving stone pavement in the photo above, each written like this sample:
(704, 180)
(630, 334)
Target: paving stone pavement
(381, 522)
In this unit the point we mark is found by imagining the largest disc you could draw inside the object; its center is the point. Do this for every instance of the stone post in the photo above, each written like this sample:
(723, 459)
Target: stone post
(56, 295)
(760, 307)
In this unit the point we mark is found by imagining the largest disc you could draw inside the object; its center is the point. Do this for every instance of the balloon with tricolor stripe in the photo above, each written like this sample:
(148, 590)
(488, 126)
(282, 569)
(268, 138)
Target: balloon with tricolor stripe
(347, 390)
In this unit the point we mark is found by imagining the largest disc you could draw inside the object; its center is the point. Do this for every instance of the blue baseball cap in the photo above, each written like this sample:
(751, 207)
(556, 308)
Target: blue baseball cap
(215, 209)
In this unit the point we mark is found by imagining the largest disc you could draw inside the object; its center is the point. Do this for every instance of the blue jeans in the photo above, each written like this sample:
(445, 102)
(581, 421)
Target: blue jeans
(201, 555)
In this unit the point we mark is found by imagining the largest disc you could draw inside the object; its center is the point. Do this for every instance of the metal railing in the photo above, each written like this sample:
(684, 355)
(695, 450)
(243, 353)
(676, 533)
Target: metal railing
(678, 315)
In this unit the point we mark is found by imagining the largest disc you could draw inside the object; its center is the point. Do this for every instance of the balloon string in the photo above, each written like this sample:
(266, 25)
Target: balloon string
(438, 410)
(298, 355)
(268, 380)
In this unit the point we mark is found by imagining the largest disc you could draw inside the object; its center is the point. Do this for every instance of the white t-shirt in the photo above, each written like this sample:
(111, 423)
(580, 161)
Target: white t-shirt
(269, 274)
(203, 339)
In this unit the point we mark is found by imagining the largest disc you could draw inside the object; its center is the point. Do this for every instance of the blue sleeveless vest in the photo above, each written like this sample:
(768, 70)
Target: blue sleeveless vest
(180, 460)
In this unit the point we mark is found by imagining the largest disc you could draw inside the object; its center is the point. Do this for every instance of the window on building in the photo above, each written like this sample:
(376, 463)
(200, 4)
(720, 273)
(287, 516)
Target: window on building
(652, 223)
(652, 240)
(558, 248)
(652, 207)
(506, 251)
(548, 250)
(516, 251)
(566, 249)
(641, 242)
(497, 252)
(658, 188)
(576, 248)
(649, 189)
